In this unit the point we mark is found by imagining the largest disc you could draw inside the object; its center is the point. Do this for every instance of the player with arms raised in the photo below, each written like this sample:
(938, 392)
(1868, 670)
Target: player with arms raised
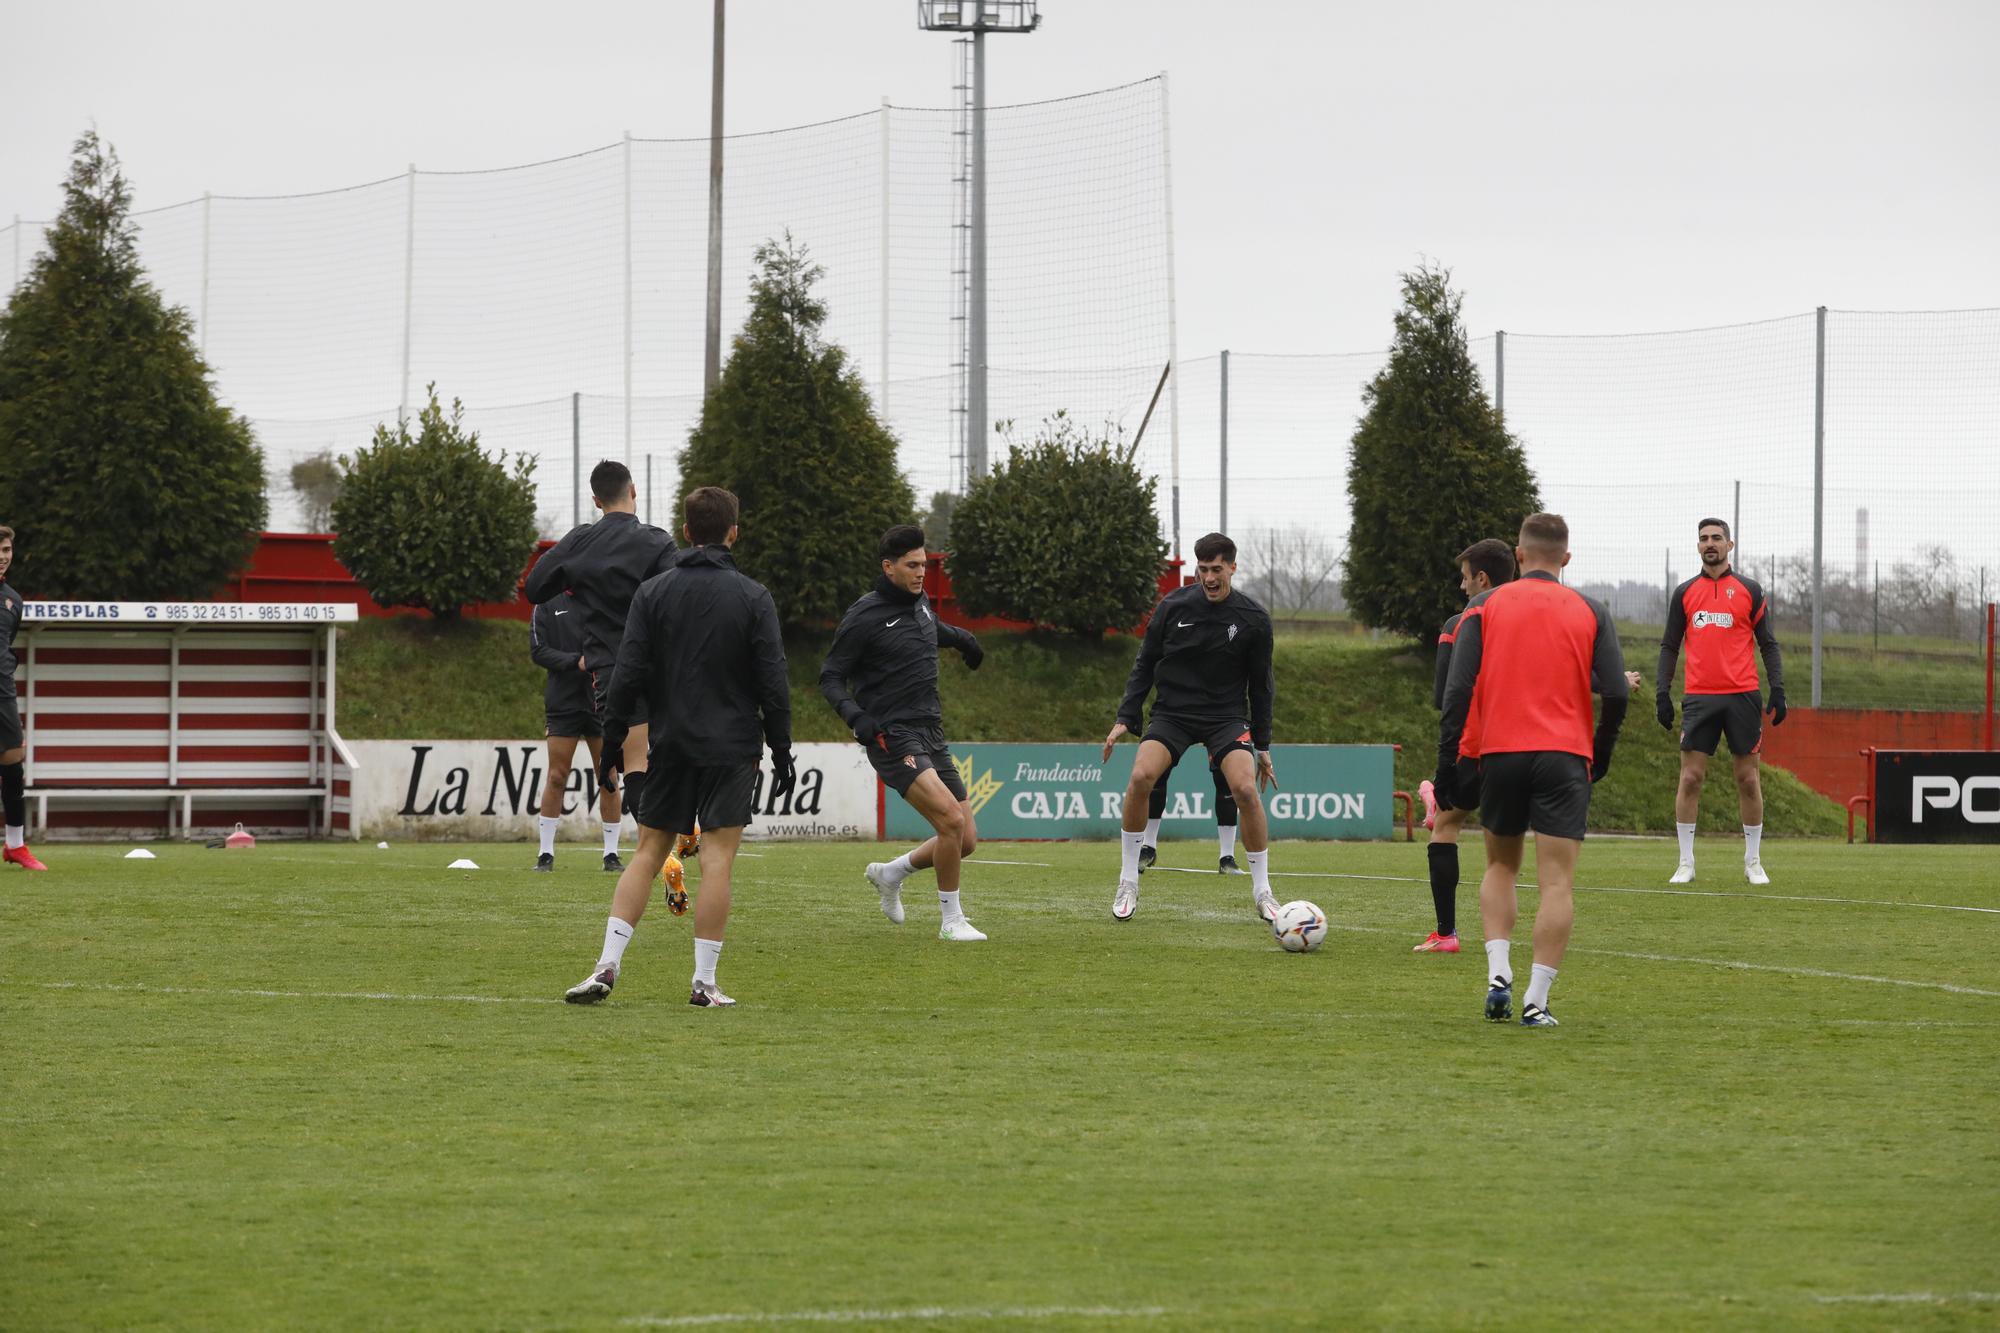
(1206, 659)
(1528, 656)
(1720, 614)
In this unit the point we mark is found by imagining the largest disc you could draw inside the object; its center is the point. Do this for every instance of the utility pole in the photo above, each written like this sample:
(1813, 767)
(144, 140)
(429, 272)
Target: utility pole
(711, 371)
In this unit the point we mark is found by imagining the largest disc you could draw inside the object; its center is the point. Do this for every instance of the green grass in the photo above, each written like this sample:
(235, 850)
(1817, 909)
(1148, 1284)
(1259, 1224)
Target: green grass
(402, 679)
(226, 1102)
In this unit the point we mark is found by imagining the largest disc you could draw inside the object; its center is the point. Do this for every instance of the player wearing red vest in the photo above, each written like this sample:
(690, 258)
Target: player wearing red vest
(1482, 566)
(1527, 657)
(1721, 615)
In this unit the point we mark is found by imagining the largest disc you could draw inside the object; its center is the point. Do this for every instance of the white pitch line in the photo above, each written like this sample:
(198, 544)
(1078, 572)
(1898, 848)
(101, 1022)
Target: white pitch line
(281, 994)
(1602, 888)
(933, 1312)
(982, 861)
(1909, 1298)
(1792, 971)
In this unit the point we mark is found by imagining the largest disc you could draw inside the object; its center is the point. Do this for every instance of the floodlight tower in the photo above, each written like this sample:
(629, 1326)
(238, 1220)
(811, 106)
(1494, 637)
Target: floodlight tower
(977, 17)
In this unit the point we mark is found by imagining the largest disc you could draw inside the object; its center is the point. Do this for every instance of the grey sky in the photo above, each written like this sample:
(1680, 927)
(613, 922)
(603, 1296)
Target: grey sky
(1582, 167)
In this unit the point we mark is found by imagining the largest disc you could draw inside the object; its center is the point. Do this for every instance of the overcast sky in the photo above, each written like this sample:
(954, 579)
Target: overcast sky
(1583, 167)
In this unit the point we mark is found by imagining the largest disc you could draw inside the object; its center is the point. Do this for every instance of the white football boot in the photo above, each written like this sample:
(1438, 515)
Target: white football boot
(1127, 901)
(1267, 907)
(1754, 872)
(593, 987)
(705, 995)
(891, 890)
(959, 929)
(1684, 875)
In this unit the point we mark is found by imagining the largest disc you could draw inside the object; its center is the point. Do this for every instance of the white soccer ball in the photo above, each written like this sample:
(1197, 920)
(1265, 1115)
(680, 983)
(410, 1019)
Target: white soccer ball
(1300, 926)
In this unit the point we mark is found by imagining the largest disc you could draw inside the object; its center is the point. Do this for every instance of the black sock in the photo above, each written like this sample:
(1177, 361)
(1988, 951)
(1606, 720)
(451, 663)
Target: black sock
(13, 794)
(1444, 885)
(1156, 804)
(635, 787)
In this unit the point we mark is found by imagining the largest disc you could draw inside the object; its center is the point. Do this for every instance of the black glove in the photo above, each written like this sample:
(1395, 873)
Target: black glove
(1599, 766)
(784, 771)
(1444, 787)
(972, 652)
(868, 731)
(1664, 707)
(1777, 706)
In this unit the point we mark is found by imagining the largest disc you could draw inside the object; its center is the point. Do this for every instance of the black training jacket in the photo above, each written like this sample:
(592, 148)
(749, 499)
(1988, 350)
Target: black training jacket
(1201, 658)
(10, 624)
(701, 649)
(602, 564)
(884, 659)
(555, 641)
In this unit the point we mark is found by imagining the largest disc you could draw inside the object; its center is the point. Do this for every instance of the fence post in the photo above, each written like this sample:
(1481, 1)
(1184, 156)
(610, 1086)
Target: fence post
(1736, 523)
(575, 459)
(649, 488)
(1173, 343)
(628, 298)
(882, 329)
(1989, 674)
(1500, 371)
(1225, 441)
(207, 202)
(1819, 507)
(409, 274)
(17, 256)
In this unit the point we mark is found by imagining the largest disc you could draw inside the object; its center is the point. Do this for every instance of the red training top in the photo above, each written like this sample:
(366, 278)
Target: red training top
(1527, 657)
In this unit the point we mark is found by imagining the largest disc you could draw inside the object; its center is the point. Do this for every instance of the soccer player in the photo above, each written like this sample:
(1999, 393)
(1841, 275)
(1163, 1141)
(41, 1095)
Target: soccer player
(881, 676)
(702, 661)
(13, 751)
(1482, 567)
(1526, 659)
(1719, 613)
(1525, 663)
(1226, 820)
(601, 565)
(1206, 649)
(555, 641)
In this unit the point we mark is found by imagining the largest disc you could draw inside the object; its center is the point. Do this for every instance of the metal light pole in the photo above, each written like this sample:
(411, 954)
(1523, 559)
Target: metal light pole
(711, 370)
(977, 17)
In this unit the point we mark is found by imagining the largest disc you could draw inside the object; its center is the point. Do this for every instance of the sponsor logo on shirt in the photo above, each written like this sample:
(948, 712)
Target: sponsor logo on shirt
(1232, 633)
(1719, 619)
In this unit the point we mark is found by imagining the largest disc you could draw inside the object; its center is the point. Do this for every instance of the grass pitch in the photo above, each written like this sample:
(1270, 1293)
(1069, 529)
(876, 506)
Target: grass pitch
(331, 1086)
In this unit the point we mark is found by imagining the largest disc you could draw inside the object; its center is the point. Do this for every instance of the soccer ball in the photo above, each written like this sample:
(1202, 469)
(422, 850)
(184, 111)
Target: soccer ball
(1300, 926)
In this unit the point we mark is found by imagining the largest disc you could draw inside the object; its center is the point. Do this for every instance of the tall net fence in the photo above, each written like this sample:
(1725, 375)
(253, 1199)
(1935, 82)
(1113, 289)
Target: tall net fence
(1636, 438)
(582, 282)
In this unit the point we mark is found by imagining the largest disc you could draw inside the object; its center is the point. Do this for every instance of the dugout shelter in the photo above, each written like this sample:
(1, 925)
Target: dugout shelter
(179, 719)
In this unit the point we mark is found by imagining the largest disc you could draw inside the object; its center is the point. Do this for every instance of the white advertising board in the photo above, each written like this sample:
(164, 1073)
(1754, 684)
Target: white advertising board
(189, 613)
(491, 791)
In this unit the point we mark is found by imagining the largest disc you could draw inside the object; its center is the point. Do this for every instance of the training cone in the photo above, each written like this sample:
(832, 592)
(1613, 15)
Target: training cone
(239, 838)
(139, 854)
(463, 863)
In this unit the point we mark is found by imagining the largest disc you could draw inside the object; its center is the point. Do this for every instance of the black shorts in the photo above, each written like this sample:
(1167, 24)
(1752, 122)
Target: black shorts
(1707, 718)
(1546, 790)
(1220, 736)
(1465, 786)
(574, 723)
(909, 751)
(677, 796)
(10, 722)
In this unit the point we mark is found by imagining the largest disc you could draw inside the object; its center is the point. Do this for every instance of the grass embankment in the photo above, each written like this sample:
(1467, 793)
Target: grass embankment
(405, 678)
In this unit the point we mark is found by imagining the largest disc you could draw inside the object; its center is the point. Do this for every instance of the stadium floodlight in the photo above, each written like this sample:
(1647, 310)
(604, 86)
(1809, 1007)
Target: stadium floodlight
(977, 18)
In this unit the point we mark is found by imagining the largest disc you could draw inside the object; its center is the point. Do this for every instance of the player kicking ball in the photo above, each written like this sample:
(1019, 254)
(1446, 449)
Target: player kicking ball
(702, 662)
(1206, 651)
(13, 751)
(1721, 615)
(881, 676)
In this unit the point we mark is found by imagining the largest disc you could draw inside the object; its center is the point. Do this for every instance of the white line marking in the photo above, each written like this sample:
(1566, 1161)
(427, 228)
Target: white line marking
(1793, 971)
(281, 994)
(1599, 888)
(933, 1312)
(983, 861)
(1908, 1298)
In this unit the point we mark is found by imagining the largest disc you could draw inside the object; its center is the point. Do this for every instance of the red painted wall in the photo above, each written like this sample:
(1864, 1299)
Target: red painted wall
(1823, 745)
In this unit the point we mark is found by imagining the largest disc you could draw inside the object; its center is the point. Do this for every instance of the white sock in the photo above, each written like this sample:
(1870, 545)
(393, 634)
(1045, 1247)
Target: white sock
(617, 934)
(1499, 966)
(1260, 871)
(900, 869)
(1128, 864)
(1225, 837)
(1686, 832)
(17, 836)
(1152, 833)
(1539, 982)
(706, 954)
(611, 837)
(948, 905)
(1753, 843)
(549, 835)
